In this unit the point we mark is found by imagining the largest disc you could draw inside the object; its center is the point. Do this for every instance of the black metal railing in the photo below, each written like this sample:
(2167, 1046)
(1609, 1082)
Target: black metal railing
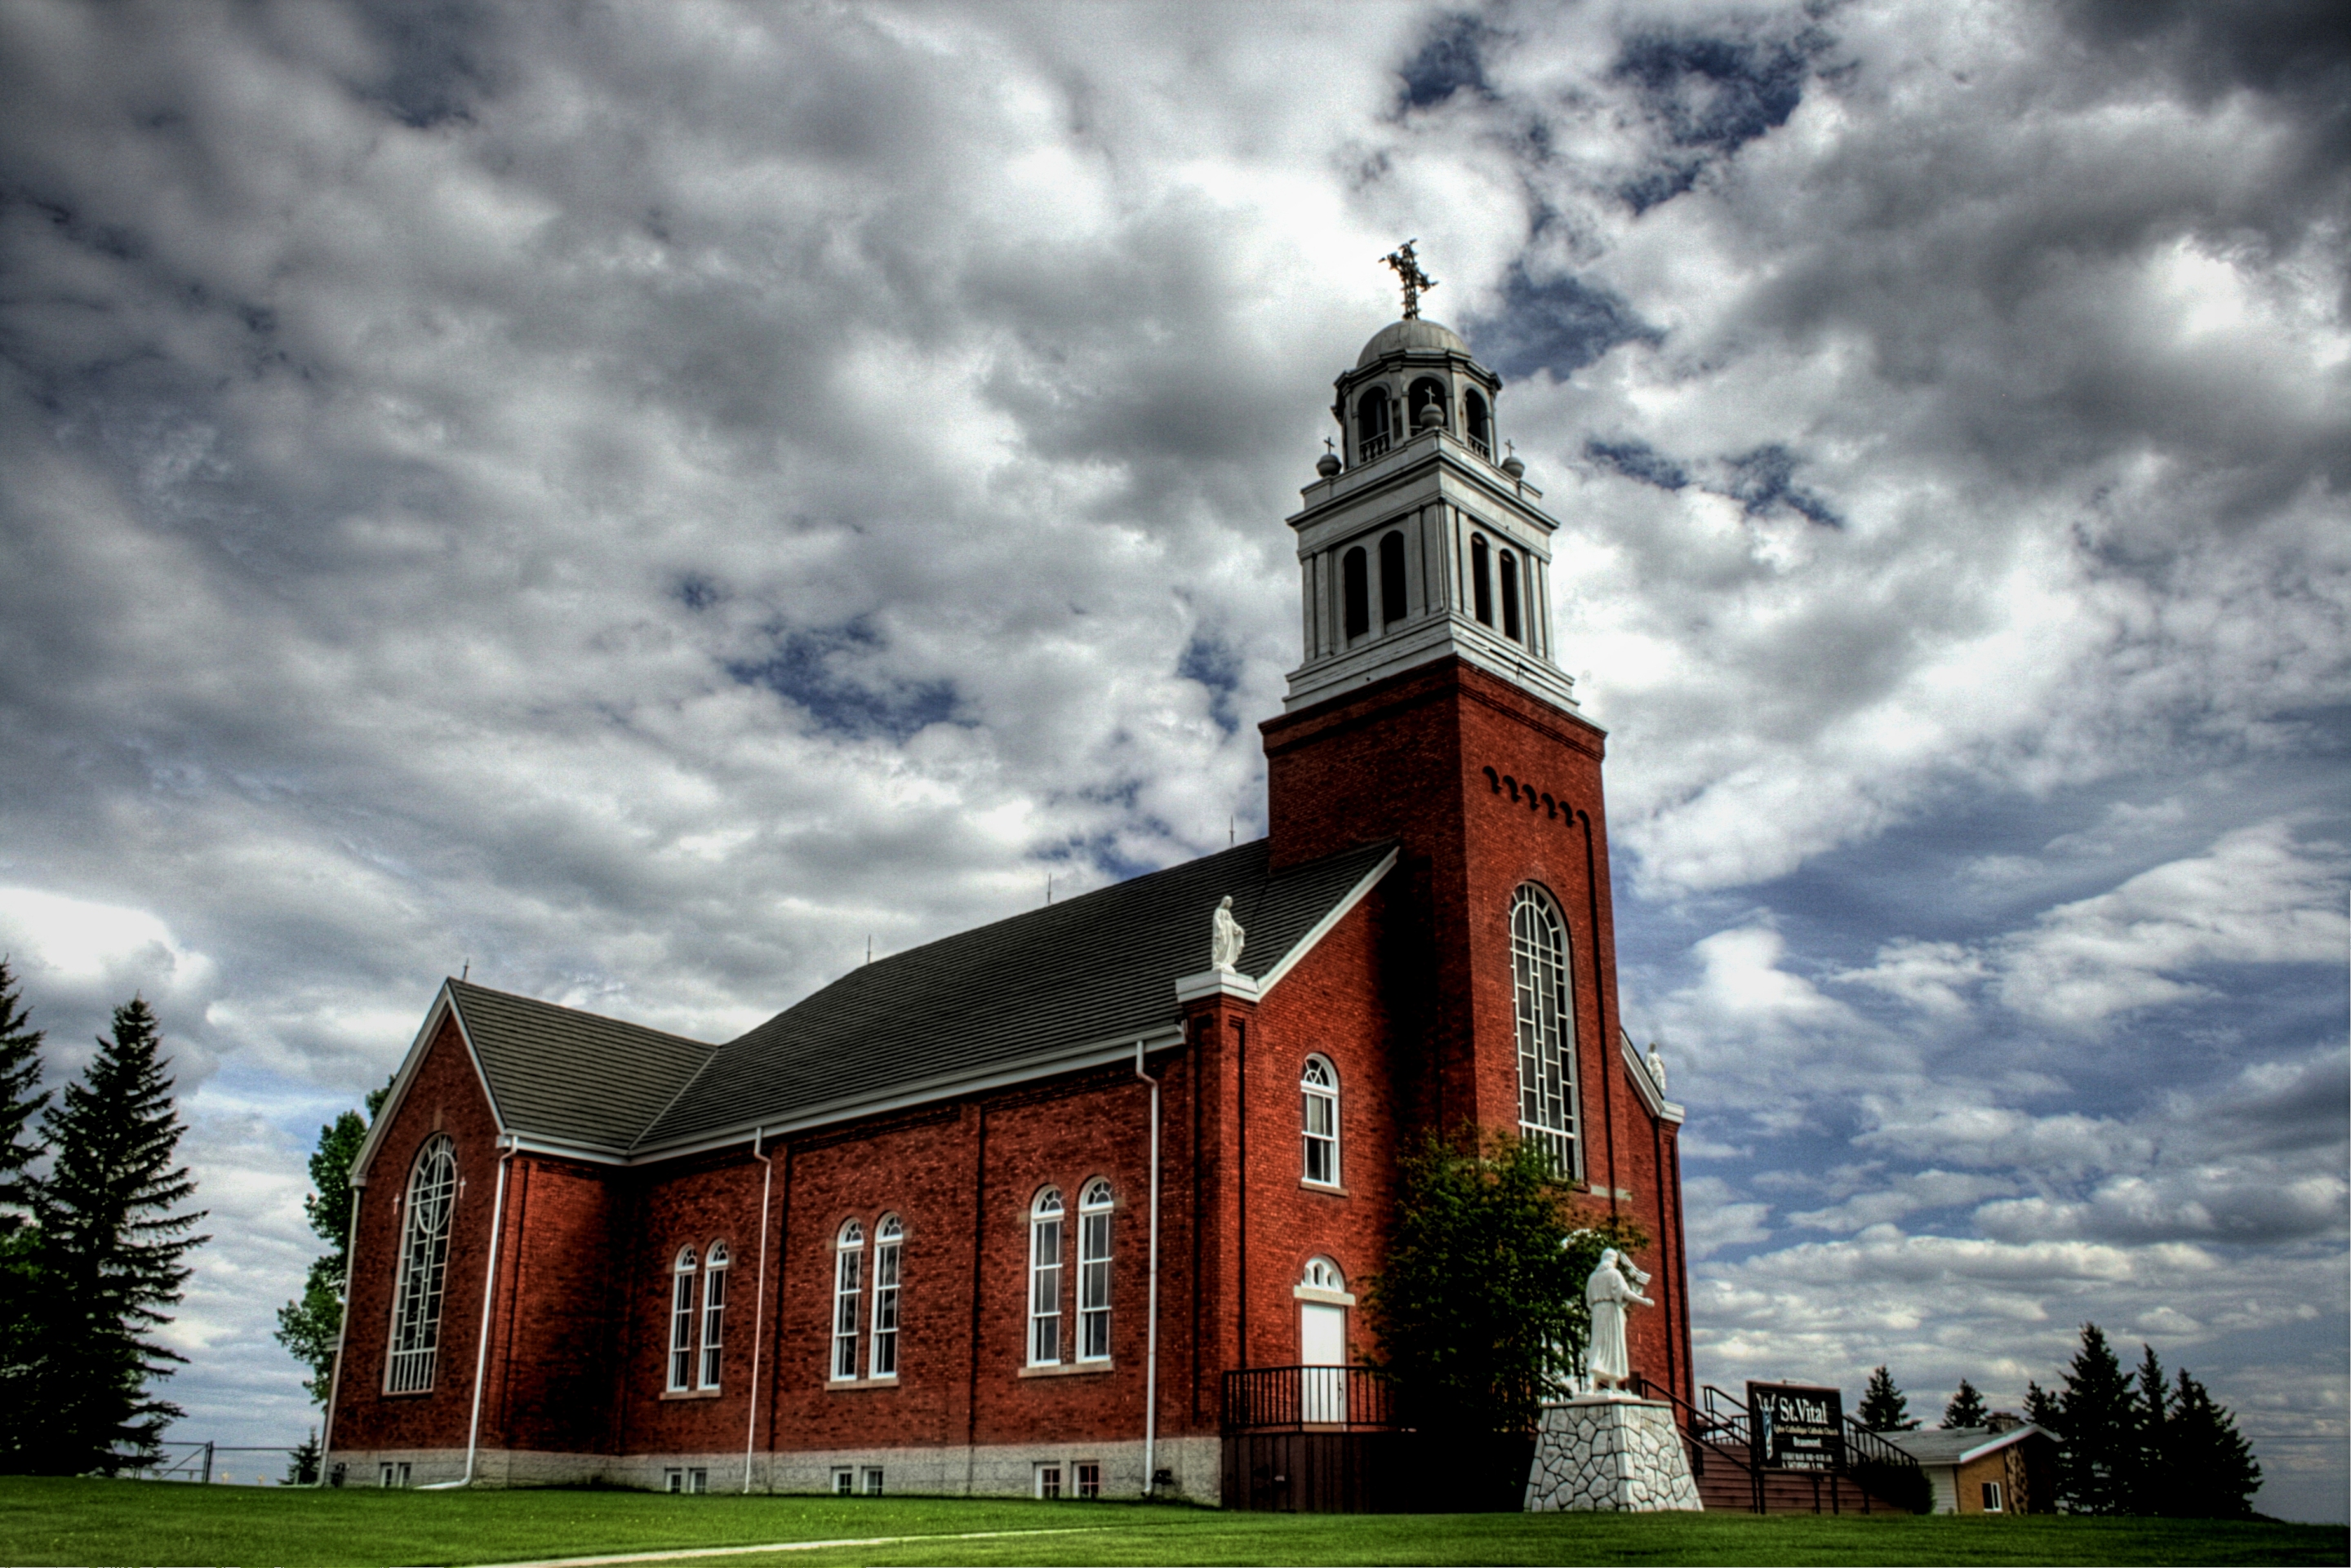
(1261, 1398)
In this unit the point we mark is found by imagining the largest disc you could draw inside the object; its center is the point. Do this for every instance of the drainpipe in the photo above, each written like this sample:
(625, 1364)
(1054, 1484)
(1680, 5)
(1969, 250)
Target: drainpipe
(482, 1342)
(342, 1332)
(1151, 1354)
(760, 1308)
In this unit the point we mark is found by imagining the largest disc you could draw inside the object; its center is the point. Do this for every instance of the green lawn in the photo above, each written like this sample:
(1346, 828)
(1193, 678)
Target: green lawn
(61, 1521)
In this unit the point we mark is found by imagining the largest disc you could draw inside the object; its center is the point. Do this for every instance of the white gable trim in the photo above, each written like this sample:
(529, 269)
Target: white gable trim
(1637, 1070)
(445, 1006)
(1323, 927)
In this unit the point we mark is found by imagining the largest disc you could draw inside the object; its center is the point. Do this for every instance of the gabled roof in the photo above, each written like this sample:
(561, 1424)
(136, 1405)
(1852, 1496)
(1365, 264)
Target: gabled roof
(1068, 986)
(1958, 1445)
(1056, 987)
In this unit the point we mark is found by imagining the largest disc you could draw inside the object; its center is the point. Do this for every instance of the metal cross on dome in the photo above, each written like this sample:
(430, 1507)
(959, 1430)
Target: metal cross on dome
(1408, 273)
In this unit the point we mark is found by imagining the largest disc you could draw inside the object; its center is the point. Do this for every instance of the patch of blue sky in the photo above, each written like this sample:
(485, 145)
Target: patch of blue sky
(1216, 665)
(1710, 96)
(1557, 324)
(815, 670)
(1450, 58)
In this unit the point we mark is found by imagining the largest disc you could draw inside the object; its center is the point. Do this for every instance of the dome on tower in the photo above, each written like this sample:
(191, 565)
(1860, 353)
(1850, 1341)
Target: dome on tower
(1412, 333)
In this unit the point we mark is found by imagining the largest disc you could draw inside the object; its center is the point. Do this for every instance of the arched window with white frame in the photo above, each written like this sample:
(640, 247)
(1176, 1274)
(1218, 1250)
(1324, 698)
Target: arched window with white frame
(889, 1238)
(848, 1287)
(1318, 1085)
(430, 1202)
(1045, 1277)
(713, 1312)
(1546, 1025)
(680, 1319)
(1094, 1206)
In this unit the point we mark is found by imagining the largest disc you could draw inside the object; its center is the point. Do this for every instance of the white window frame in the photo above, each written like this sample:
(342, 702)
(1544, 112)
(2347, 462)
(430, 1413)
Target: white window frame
(848, 1292)
(1048, 1478)
(1087, 1474)
(713, 1313)
(869, 1481)
(421, 1283)
(1543, 1003)
(889, 1244)
(1995, 1498)
(844, 1481)
(1094, 1205)
(682, 1270)
(1318, 1084)
(1046, 1215)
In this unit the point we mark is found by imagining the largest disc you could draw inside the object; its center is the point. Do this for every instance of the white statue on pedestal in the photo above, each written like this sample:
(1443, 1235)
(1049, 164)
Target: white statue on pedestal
(1607, 1362)
(1225, 945)
(1658, 1067)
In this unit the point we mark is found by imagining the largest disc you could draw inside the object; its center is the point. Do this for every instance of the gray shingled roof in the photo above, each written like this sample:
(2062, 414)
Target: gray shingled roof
(1950, 1445)
(573, 1077)
(1093, 970)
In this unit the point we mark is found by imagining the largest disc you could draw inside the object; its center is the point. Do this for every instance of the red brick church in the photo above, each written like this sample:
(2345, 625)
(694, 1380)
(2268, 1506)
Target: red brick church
(1000, 1215)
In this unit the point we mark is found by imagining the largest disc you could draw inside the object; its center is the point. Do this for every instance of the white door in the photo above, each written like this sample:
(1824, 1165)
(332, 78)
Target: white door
(1323, 1348)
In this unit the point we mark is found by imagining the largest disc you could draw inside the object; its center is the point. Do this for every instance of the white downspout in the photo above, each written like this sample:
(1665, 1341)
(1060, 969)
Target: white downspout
(759, 1307)
(481, 1341)
(1150, 1353)
(342, 1329)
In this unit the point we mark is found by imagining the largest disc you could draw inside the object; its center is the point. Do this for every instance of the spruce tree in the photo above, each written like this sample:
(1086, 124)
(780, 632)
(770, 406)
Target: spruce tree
(1966, 1409)
(2214, 1472)
(2151, 1482)
(110, 1256)
(2041, 1408)
(21, 1101)
(310, 1325)
(1883, 1407)
(2101, 1455)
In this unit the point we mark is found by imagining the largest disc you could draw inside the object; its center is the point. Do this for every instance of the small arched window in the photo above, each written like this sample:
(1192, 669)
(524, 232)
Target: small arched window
(1321, 1274)
(1355, 594)
(1546, 1024)
(431, 1200)
(1426, 402)
(888, 1237)
(1510, 627)
(713, 1312)
(1392, 585)
(1320, 1086)
(1479, 423)
(1045, 1277)
(680, 1319)
(848, 1288)
(1481, 579)
(1094, 1271)
(1373, 423)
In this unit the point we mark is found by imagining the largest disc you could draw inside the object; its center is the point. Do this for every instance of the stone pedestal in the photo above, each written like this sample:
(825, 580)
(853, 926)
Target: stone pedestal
(1621, 1455)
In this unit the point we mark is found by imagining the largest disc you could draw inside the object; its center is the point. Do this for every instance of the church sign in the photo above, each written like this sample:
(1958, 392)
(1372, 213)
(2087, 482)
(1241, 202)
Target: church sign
(1797, 1428)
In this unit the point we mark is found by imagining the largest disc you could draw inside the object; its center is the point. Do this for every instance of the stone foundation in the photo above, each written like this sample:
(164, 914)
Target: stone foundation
(1621, 1456)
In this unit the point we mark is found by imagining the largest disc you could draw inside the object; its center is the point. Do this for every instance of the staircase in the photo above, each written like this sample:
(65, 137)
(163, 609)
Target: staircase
(1879, 1478)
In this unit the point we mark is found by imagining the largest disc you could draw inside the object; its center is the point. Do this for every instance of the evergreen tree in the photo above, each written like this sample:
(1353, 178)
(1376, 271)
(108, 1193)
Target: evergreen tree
(2040, 1409)
(2214, 1473)
(110, 1256)
(310, 1325)
(2101, 1431)
(2151, 1481)
(1966, 1407)
(302, 1465)
(21, 1100)
(1482, 1309)
(1883, 1407)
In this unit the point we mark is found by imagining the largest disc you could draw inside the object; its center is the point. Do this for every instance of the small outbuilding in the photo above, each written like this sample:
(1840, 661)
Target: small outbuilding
(1985, 1469)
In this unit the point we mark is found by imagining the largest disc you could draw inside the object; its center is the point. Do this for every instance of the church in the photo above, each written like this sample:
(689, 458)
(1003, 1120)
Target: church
(1018, 1212)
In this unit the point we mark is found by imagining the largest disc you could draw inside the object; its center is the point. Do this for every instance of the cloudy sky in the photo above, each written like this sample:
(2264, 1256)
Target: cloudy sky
(641, 499)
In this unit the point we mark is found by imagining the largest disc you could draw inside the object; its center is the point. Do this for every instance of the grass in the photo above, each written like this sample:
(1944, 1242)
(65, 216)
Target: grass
(46, 1521)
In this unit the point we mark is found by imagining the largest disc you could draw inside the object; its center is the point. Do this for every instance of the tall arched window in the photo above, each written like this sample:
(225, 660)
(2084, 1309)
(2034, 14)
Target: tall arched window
(1480, 424)
(1392, 586)
(1045, 1277)
(431, 1199)
(848, 1285)
(681, 1320)
(1481, 579)
(1424, 396)
(1372, 424)
(1510, 597)
(1355, 594)
(888, 1237)
(1094, 1271)
(1546, 1019)
(1320, 1086)
(713, 1312)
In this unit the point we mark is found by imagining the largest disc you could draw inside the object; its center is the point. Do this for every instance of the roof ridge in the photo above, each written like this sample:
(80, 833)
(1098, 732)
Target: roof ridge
(457, 987)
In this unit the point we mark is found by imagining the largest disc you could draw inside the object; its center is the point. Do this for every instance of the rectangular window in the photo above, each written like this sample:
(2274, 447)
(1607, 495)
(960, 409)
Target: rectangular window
(674, 1481)
(1045, 1293)
(849, 1281)
(1321, 1127)
(844, 1481)
(885, 1308)
(681, 1332)
(1049, 1481)
(872, 1478)
(1089, 1478)
(1093, 1285)
(1992, 1501)
(393, 1476)
(697, 1480)
(713, 1322)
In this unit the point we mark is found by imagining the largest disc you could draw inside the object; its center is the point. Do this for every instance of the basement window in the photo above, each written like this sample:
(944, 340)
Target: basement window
(872, 1477)
(844, 1481)
(679, 1479)
(1089, 1478)
(1049, 1481)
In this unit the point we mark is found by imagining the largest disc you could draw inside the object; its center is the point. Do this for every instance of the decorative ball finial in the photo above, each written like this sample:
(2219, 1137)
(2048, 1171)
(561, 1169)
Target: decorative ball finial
(1513, 465)
(1408, 273)
(1328, 464)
